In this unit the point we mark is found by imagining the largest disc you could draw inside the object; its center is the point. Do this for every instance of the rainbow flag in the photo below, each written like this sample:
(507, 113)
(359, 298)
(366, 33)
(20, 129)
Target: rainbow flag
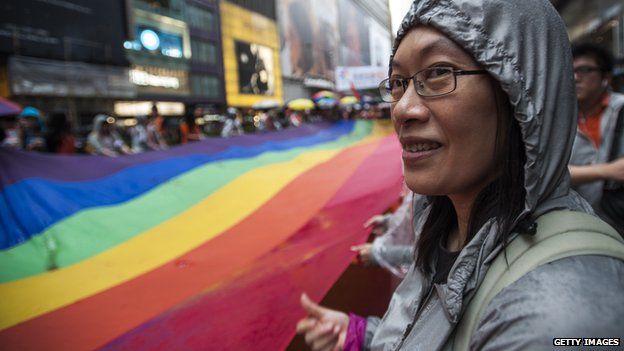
(205, 246)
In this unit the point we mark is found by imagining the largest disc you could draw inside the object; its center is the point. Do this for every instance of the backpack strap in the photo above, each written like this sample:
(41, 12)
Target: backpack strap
(559, 234)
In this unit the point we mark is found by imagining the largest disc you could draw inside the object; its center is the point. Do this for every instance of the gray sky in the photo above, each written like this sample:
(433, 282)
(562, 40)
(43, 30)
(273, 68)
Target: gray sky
(398, 9)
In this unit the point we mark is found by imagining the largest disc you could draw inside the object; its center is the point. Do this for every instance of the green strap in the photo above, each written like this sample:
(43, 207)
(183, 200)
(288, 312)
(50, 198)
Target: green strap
(559, 234)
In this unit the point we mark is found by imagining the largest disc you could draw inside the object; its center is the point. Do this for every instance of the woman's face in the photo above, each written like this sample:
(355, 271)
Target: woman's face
(455, 133)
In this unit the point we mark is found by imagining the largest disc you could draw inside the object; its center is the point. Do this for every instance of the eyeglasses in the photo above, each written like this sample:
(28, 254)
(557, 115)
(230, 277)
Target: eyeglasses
(586, 69)
(432, 81)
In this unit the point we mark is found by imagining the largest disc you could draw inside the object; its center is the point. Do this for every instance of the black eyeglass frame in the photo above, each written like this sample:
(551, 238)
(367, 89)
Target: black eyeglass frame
(405, 81)
(586, 69)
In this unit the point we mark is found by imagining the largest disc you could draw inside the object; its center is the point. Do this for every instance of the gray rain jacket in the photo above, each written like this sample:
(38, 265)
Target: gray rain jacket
(524, 45)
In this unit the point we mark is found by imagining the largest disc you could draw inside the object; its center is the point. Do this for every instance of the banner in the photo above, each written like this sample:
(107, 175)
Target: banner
(364, 77)
(250, 57)
(37, 77)
(205, 244)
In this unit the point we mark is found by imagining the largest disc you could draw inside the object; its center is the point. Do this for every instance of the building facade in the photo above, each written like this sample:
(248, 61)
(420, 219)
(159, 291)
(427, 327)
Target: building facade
(204, 21)
(79, 67)
(323, 41)
(250, 40)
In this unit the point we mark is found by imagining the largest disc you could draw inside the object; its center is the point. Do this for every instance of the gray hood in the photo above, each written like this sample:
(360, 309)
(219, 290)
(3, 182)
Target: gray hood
(529, 54)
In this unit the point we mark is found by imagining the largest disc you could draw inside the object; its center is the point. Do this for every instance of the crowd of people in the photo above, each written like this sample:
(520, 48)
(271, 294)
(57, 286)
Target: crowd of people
(497, 239)
(111, 136)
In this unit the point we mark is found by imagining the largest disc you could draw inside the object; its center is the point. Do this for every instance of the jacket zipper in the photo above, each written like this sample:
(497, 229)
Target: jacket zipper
(410, 326)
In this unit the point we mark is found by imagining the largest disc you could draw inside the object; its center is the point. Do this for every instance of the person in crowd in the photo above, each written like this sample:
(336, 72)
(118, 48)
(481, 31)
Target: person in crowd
(60, 137)
(30, 130)
(11, 139)
(598, 152)
(393, 246)
(483, 114)
(104, 139)
(155, 137)
(232, 124)
(189, 130)
(140, 134)
(157, 122)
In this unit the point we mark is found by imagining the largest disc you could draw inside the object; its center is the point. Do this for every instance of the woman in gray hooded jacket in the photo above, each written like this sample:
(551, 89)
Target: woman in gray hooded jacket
(483, 102)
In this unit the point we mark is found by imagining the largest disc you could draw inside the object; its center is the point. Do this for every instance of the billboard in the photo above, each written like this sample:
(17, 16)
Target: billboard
(255, 68)
(354, 27)
(309, 38)
(360, 77)
(69, 30)
(250, 56)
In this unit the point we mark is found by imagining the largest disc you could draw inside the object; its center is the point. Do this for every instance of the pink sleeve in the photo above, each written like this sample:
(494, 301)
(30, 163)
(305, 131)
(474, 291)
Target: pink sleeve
(355, 333)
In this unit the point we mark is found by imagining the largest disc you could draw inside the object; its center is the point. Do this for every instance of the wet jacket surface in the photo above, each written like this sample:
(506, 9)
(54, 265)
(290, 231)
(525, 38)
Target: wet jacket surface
(394, 250)
(524, 45)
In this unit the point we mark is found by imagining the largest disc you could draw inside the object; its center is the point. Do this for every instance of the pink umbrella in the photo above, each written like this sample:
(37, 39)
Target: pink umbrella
(8, 108)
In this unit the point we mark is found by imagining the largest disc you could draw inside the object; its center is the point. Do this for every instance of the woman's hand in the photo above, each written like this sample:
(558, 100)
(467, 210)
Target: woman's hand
(323, 329)
(364, 254)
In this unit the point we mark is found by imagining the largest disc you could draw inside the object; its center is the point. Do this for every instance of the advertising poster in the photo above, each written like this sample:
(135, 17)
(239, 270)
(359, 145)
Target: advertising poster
(354, 35)
(255, 68)
(309, 38)
(250, 57)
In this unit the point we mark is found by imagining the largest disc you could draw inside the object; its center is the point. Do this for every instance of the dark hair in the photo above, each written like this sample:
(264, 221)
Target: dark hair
(189, 118)
(502, 199)
(603, 57)
(58, 126)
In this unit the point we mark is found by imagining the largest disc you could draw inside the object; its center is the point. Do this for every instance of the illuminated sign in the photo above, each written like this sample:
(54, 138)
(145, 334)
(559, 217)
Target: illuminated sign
(149, 39)
(143, 78)
(144, 108)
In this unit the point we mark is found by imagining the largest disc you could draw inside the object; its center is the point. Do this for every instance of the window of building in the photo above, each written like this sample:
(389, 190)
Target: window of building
(203, 52)
(204, 85)
(200, 18)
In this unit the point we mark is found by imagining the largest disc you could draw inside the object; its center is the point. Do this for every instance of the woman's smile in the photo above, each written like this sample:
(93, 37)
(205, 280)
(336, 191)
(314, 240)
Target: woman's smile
(416, 149)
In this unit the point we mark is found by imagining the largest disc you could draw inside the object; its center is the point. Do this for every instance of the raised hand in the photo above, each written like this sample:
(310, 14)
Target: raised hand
(323, 329)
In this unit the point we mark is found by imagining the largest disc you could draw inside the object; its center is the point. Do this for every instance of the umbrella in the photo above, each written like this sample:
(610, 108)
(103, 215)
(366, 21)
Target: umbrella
(301, 104)
(326, 102)
(8, 108)
(266, 104)
(323, 94)
(349, 100)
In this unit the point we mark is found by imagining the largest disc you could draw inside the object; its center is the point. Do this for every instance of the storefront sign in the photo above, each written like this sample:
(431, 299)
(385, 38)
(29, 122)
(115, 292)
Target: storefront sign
(362, 77)
(310, 82)
(159, 80)
(144, 108)
(143, 78)
(39, 77)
